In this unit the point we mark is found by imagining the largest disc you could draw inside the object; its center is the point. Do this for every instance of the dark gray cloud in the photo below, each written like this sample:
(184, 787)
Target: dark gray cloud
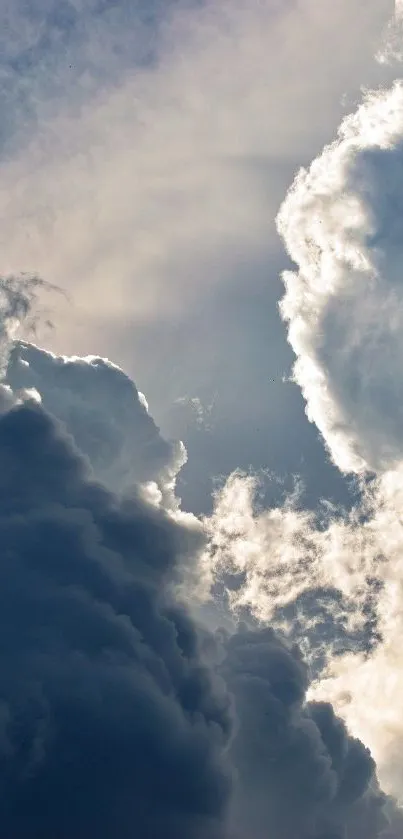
(115, 720)
(104, 412)
(110, 723)
(116, 717)
(300, 773)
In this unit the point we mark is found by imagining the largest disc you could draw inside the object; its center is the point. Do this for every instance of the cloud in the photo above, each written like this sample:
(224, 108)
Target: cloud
(97, 402)
(366, 687)
(115, 716)
(332, 582)
(299, 771)
(315, 575)
(106, 415)
(111, 724)
(341, 223)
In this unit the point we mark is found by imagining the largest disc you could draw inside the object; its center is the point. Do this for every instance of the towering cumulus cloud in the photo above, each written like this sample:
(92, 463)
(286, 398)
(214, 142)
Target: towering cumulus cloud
(342, 223)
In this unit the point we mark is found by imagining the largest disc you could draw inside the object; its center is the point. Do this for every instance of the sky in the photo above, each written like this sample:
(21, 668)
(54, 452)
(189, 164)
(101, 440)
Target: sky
(201, 403)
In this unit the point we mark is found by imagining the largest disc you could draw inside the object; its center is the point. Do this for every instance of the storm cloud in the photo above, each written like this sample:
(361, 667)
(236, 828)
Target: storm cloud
(111, 725)
(300, 773)
(119, 716)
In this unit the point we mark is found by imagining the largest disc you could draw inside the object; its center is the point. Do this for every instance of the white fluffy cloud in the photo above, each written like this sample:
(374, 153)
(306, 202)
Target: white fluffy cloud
(99, 405)
(107, 416)
(367, 688)
(342, 223)
(334, 583)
